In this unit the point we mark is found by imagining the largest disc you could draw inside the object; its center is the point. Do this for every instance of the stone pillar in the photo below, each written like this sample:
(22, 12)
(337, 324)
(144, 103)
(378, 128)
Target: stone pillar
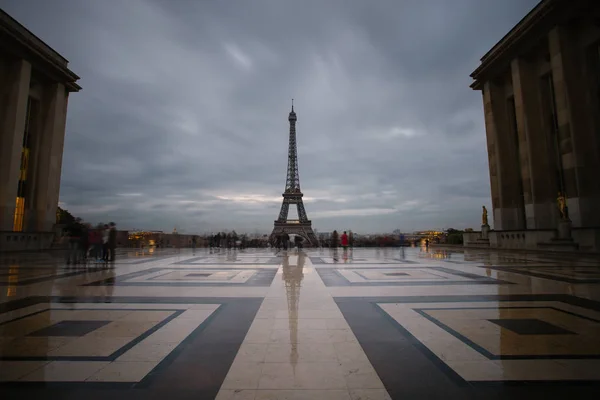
(579, 143)
(490, 132)
(14, 91)
(541, 210)
(509, 210)
(485, 232)
(48, 165)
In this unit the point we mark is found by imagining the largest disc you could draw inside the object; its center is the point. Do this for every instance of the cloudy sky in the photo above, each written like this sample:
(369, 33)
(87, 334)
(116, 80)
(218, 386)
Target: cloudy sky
(182, 120)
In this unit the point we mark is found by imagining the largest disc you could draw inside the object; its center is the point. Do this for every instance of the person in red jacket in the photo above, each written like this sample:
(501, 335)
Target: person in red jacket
(95, 239)
(344, 240)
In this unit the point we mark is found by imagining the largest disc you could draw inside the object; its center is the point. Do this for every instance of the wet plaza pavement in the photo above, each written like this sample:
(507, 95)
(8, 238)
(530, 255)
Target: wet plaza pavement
(253, 324)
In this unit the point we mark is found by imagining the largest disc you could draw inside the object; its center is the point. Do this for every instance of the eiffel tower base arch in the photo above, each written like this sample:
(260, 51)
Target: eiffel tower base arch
(302, 229)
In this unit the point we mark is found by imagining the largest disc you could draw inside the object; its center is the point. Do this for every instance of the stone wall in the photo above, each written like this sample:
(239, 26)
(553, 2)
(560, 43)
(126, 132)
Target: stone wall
(588, 239)
(21, 241)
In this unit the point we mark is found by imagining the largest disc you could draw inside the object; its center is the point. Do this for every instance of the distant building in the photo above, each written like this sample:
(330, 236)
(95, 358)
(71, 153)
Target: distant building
(541, 98)
(35, 83)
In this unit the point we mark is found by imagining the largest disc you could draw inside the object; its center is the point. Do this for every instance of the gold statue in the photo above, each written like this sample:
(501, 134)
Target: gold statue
(562, 205)
(484, 219)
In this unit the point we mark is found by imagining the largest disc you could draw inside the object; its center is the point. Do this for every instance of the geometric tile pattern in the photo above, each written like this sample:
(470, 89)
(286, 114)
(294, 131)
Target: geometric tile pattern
(192, 277)
(469, 341)
(118, 331)
(437, 363)
(134, 339)
(557, 273)
(256, 324)
(231, 259)
(405, 276)
(520, 332)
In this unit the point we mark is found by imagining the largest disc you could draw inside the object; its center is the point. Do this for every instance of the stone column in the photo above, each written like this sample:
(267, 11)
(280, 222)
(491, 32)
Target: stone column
(49, 162)
(490, 132)
(14, 87)
(541, 210)
(507, 214)
(579, 143)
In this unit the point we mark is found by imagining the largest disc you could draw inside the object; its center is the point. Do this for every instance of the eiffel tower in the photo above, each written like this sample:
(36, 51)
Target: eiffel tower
(293, 195)
(292, 277)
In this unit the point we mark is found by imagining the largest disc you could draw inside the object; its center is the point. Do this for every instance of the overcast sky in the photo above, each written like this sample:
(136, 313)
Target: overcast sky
(182, 120)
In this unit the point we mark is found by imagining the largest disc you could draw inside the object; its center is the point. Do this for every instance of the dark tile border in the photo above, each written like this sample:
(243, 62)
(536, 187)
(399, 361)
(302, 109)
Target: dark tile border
(275, 260)
(403, 261)
(331, 277)
(541, 274)
(195, 369)
(145, 260)
(321, 261)
(409, 369)
(263, 277)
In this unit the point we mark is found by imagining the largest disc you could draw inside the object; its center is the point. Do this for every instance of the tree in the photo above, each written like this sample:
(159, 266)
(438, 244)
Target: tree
(63, 217)
(454, 236)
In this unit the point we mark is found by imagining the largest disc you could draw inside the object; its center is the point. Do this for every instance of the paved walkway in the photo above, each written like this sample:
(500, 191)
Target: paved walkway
(320, 324)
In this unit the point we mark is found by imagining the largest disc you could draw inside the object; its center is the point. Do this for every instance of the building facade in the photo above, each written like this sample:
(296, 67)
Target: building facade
(541, 98)
(35, 83)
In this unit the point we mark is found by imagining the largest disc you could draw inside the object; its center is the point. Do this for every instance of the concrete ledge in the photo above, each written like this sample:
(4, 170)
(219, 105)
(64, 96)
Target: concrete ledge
(483, 243)
(584, 240)
(458, 247)
(559, 245)
(25, 241)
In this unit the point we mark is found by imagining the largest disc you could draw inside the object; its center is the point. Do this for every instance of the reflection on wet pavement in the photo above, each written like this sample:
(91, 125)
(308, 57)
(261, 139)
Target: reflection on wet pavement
(374, 323)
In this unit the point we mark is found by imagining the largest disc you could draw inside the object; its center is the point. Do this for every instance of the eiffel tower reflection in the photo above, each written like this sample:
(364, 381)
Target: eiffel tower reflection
(292, 277)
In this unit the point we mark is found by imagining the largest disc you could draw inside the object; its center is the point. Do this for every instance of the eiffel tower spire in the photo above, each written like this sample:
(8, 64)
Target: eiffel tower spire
(292, 194)
(292, 183)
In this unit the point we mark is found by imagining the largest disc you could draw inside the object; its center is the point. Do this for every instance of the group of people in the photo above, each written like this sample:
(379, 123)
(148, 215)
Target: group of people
(225, 241)
(344, 240)
(283, 242)
(90, 244)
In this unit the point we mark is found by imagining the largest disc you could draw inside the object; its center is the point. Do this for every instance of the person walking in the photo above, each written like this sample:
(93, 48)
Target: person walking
(73, 234)
(112, 241)
(344, 240)
(95, 237)
(298, 241)
(286, 241)
(105, 234)
(85, 242)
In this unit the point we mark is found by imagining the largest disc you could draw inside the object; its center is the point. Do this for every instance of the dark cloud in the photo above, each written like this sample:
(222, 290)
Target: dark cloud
(183, 117)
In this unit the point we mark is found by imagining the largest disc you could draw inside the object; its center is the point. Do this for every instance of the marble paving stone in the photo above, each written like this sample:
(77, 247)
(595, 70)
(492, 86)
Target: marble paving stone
(305, 394)
(191, 277)
(70, 328)
(243, 375)
(570, 274)
(237, 394)
(530, 326)
(123, 371)
(494, 333)
(369, 394)
(319, 375)
(14, 370)
(413, 276)
(65, 371)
